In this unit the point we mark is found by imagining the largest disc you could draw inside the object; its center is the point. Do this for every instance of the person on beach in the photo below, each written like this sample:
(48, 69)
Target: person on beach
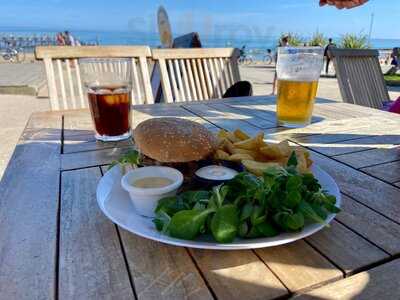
(328, 55)
(340, 4)
(395, 63)
(60, 41)
(69, 39)
(284, 42)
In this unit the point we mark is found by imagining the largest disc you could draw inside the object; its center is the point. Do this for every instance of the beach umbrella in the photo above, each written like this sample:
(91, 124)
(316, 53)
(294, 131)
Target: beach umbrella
(164, 28)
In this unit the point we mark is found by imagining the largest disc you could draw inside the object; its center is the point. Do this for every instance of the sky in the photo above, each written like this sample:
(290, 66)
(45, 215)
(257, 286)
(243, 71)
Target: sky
(212, 17)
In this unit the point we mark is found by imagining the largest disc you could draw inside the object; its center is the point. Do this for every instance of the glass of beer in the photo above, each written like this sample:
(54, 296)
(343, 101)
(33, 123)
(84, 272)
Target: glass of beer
(108, 86)
(298, 70)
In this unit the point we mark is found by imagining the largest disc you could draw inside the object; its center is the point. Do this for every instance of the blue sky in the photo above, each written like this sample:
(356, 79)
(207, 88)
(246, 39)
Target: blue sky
(251, 17)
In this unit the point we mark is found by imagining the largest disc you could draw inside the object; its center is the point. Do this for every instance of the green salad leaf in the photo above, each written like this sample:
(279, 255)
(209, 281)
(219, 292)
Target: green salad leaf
(131, 158)
(225, 223)
(282, 200)
(187, 224)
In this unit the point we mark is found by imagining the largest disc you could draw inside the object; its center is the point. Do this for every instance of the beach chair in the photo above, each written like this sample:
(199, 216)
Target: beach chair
(63, 72)
(196, 74)
(360, 77)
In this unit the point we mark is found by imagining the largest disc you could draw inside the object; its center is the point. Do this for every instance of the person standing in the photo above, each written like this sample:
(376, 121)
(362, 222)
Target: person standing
(328, 54)
(69, 39)
(60, 39)
(395, 63)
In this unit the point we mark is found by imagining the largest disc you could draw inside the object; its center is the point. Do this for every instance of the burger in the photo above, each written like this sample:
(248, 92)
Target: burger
(174, 142)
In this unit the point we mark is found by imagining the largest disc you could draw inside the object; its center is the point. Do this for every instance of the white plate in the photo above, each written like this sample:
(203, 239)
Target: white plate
(116, 205)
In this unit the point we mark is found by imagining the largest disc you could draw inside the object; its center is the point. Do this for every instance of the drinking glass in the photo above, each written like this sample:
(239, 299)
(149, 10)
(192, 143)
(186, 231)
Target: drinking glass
(108, 85)
(298, 70)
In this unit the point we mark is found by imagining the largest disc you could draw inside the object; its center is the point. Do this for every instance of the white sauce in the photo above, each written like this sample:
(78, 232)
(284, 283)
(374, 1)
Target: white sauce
(216, 173)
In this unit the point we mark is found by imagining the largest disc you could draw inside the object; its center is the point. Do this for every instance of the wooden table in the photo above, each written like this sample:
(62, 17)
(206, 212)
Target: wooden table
(55, 242)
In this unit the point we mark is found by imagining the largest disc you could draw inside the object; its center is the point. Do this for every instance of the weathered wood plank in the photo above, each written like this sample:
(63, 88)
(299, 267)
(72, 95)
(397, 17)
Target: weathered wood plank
(373, 125)
(91, 51)
(78, 122)
(79, 143)
(87, 159)
(143, 112)
(244, 115)
(221, 119)
(28, 212)
(371, 225)
(379, 283)
(370, 157)
(370, 191)
(267, 110)
(161, 271)
(337, 147)
(348, 250)
(91, 260)
(389, 171)
(237, 275)
(298, 265)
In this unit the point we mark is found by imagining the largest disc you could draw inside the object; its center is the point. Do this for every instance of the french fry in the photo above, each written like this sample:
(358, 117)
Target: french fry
(252, 143)
(222, 155)
(274, 151)
(304, 157)
(257, 155)
(232, 137)
(271, 151)
(308, 159)
(244, 151)
(258, 168)
(229, 147)
(240, 157)
(241, 135)
(222, 134)
(301, 163)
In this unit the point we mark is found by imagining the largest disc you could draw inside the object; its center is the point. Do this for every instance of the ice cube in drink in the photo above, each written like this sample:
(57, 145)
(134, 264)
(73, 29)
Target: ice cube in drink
(110, 110)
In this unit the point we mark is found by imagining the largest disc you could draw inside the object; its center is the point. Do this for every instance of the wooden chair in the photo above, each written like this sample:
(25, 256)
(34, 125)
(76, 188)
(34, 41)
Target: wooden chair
(196, 74)
(360, 77)
(63, 72)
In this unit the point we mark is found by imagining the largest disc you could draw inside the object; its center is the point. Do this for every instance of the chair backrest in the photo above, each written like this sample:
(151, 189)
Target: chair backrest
(64, 79)
(360, 76)
(196, 74)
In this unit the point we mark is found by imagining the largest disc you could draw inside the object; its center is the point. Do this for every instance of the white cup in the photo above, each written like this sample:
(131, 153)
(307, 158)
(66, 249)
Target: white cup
(145, 200)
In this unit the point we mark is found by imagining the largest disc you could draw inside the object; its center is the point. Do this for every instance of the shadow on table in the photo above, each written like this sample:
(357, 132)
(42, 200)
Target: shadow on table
(259, 113)
(336, 144)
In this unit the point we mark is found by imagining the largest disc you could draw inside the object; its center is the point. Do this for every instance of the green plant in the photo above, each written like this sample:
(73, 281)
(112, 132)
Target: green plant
(282, 200)
(294, 39)
(354, 41)
(394, 77)
(318, 39)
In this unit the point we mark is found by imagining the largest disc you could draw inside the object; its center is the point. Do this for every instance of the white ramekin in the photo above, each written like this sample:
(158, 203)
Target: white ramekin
(145, 199)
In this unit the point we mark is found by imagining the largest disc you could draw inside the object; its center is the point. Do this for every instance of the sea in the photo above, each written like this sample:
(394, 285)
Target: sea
(254, 44)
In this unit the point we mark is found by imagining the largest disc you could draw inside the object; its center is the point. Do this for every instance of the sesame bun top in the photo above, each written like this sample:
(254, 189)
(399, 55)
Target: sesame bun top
(174, 140)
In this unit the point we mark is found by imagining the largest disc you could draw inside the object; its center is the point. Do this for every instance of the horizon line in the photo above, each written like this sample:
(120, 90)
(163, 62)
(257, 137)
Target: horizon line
(11, 28)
